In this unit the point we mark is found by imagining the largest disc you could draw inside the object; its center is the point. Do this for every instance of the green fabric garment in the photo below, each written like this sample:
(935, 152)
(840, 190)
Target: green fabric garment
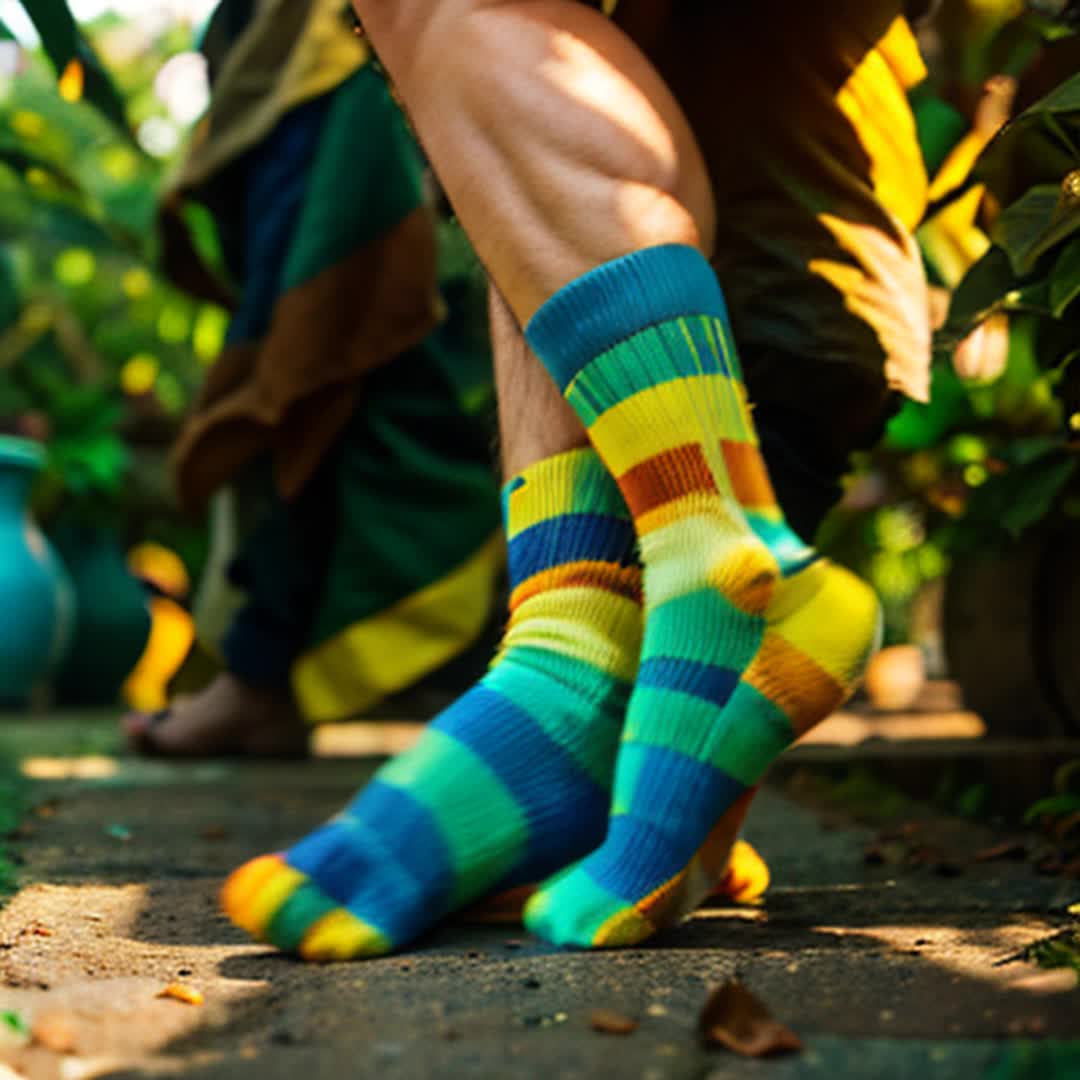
(417, 488)
(367, 177)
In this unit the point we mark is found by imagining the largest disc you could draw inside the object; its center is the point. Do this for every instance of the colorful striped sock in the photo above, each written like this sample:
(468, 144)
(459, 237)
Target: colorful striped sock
(511, 782)
(738, 659)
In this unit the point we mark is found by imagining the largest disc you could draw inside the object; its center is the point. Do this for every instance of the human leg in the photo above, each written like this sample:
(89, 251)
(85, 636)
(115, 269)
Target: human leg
(657, 214)
(249, 708)
(576, 85)
(511, 781)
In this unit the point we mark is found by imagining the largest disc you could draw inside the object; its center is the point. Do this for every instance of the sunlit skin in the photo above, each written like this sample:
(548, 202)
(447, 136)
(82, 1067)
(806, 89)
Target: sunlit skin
(557, 142)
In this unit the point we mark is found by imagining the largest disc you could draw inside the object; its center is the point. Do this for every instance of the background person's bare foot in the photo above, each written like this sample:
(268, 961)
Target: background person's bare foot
(228, 718)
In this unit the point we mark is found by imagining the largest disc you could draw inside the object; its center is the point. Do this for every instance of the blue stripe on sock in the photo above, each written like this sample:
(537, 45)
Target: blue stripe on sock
(411, 831)
(706, 681)
(511, 743)
(565, 539)
(354, 866)
(386, 836)
(619, 299)
(641, 853)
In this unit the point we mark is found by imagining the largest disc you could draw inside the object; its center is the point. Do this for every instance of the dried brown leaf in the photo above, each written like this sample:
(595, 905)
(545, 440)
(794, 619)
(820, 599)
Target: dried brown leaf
(1011, 849)
(610, 1022)
(734, 1018)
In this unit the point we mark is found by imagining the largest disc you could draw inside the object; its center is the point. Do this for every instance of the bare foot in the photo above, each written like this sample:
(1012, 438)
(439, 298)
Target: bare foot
(228, 718)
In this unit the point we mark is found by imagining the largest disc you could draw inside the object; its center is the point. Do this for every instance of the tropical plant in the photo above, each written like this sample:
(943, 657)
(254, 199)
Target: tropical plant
(95, 345)
(995, 452)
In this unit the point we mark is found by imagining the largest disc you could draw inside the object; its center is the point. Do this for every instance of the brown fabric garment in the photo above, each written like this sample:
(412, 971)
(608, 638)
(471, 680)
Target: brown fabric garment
(292, 394)
(801, 113)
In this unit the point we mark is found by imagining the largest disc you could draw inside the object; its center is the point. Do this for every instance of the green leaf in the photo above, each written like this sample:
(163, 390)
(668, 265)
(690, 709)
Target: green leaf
(1038, 221)
(1052, 806)
(20, 160)
(978, 294)
(1039, 146)
(57, 28)
(64, 42)
(1065, 279)
(1023, 495)
(919, 427)
(990, 286)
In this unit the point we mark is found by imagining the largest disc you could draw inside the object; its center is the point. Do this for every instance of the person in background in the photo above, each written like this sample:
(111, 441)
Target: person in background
(350, 407)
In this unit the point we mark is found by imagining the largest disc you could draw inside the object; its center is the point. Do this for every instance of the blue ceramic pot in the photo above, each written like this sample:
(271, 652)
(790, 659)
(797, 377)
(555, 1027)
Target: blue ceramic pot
(113, 622)
(36, 599)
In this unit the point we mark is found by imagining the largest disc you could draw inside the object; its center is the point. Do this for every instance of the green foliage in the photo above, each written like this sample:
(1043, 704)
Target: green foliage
(984, 462)
(93, 341)
(65, 45)
(1034, 265)
(1060, 951)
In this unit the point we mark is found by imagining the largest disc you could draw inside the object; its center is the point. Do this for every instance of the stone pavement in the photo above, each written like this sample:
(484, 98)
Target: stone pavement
(889, 970)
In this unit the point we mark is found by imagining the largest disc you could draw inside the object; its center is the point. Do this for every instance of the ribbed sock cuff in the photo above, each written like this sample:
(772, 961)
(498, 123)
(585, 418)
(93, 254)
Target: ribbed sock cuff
(615, 301)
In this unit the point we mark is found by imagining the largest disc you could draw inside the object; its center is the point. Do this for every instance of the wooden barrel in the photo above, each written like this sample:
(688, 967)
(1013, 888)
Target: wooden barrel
(1012, 633)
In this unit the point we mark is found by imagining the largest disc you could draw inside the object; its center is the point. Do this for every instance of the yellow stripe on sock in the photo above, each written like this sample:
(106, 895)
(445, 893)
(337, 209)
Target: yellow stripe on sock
(541, 622)
(340, 935)
(849, 603)
(626, 927)
(639, 428)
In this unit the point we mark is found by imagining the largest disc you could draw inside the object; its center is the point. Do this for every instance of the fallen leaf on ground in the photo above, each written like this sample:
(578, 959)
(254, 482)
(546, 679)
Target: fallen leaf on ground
(734, 1018)
(55, 1032)
(1009, 850)
(609, 1022)
(924, 855)
(182, 992)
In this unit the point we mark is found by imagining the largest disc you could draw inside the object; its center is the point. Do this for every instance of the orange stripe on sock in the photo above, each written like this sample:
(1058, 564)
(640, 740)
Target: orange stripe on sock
(665, 477)
(749, 477)
(608, 577)
(795, 682)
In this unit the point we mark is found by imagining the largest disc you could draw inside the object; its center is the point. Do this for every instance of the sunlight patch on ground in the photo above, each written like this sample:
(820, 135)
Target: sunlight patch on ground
(987, 954)
(89, 767)
(365, 739)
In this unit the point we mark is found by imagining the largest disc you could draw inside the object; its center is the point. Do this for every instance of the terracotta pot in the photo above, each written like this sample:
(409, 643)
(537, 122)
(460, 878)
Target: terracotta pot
(895, 677)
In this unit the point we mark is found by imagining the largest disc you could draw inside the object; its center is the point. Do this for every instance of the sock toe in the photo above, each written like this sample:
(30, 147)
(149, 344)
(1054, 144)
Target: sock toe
(340, 935)
(253, 893)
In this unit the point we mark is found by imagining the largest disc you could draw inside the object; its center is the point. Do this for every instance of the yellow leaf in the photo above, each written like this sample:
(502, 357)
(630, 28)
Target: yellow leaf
(72, 82)
(180, 992)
